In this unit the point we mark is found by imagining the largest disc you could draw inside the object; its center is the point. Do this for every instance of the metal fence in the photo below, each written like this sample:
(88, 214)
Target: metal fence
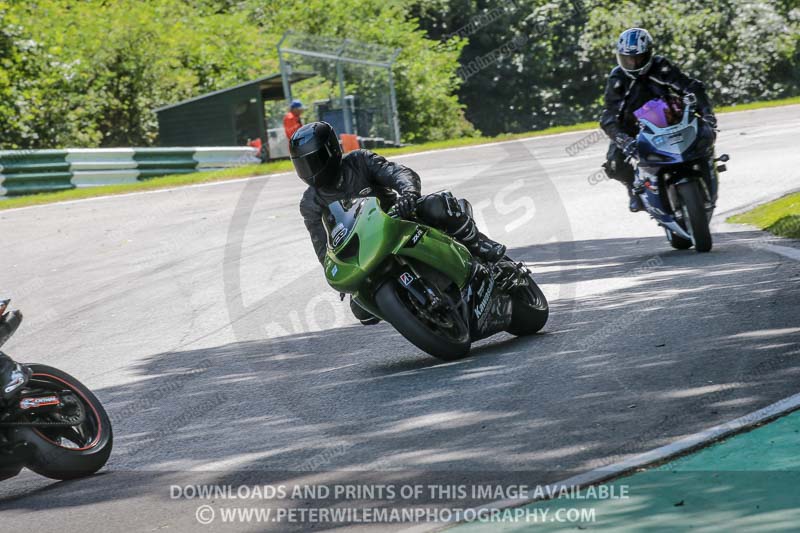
(35, 171)
(354, 86)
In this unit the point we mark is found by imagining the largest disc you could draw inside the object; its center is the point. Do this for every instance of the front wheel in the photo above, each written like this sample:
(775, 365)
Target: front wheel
(62, 451)
(441, 333)
(695, 215)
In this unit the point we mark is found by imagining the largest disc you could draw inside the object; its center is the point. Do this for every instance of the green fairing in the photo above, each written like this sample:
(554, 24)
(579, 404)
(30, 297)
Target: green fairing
(381, 236)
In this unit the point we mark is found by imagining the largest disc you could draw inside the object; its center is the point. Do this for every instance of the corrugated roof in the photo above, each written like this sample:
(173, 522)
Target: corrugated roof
(268, 82)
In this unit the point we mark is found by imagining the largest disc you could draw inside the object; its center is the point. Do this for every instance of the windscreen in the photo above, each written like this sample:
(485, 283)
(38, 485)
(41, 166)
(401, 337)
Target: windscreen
(654, 111)
(661, 112)
(340, 220)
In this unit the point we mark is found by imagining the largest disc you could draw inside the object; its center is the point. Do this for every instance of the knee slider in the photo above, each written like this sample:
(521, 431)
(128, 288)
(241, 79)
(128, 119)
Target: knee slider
(466, 207)
(442, 206)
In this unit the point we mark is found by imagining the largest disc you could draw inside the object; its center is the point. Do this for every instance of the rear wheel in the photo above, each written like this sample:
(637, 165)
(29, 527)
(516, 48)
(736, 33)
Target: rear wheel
(695, 215)
(529, 310)
(441, 333)
(59, 451)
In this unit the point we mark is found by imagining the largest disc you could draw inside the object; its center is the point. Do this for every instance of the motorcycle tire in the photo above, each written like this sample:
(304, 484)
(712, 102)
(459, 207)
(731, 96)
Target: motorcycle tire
(529, 310)
(697, 221)
(400, 312)
(53, 451)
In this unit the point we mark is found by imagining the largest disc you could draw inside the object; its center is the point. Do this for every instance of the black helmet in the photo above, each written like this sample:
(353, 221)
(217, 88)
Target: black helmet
(316, 154)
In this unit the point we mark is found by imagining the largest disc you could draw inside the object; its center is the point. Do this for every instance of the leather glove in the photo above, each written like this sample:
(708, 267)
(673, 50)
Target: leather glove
(407, 204)
(711, 120)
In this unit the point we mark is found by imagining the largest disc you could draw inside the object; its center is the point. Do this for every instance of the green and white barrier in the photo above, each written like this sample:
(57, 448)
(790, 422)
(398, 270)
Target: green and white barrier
(157, 162)
(34, 171)
(102, 167)
(225, 157)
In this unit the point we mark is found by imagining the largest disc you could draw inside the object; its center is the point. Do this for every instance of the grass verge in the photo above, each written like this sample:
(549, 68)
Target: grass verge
(759, 105)
(780, 217)
(165, 182)
(248, 171)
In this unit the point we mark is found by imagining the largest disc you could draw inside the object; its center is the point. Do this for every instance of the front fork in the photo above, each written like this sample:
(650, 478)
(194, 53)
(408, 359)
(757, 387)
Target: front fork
(709, 184)
(407, 277)
(714, 171)
(410, 280)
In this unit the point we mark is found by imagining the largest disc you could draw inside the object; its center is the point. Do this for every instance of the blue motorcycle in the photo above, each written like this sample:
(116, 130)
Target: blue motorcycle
(677, 176)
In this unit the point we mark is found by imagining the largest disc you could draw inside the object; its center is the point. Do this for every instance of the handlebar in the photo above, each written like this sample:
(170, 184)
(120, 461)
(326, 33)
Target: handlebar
(689, 100)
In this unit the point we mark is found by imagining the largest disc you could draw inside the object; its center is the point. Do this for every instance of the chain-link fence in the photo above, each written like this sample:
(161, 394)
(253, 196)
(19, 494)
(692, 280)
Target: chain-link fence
(353, 88)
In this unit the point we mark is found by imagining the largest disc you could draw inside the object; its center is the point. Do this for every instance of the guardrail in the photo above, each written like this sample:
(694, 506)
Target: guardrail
(35, 171)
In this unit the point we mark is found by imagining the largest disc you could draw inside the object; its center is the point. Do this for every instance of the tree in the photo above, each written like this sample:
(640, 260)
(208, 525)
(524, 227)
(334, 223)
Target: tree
(742, 50)
(90, 73)
(22, 61)
(425, 71)
(112, 63)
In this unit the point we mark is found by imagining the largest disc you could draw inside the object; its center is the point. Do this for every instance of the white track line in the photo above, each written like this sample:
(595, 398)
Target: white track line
(153, 191)
(679, 447)
(403, 156)
(263, 176)
(755, 203)
(785, 251)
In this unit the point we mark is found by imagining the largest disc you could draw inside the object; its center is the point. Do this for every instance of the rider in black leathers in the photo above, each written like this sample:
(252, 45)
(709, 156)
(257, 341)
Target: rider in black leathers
(330, 176)
(639, 77)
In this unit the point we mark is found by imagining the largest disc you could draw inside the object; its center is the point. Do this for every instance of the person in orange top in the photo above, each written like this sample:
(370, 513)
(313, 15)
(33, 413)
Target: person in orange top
(291, 120)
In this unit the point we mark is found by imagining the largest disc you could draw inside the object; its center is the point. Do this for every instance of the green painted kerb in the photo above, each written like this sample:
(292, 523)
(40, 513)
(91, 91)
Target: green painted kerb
(748, 482)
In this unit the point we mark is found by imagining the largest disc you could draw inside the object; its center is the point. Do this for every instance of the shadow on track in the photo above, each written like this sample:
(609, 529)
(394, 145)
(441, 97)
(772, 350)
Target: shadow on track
(657, 344)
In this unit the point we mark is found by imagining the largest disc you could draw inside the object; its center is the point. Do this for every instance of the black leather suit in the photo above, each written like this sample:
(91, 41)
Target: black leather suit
(365, 173)
(624, 95)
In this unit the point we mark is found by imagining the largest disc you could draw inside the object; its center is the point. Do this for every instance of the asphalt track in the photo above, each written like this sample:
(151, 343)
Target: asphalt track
(201, 318)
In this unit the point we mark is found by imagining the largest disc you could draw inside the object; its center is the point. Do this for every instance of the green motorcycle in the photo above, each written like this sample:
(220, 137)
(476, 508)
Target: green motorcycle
(424, 283)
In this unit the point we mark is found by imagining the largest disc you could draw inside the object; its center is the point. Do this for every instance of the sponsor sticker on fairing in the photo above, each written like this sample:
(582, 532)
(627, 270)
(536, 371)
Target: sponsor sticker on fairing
(338, 234)
(32, 403)
(415, 237)
(481, 307)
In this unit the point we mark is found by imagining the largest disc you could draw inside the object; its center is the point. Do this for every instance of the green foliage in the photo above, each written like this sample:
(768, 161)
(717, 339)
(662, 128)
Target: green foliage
(742, 50)
(21, 61)
(425, 72)
(90, 73)
(104, 66)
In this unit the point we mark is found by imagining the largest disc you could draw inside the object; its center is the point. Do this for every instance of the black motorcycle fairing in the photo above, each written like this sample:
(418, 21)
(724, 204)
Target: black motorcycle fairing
(490, 307)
